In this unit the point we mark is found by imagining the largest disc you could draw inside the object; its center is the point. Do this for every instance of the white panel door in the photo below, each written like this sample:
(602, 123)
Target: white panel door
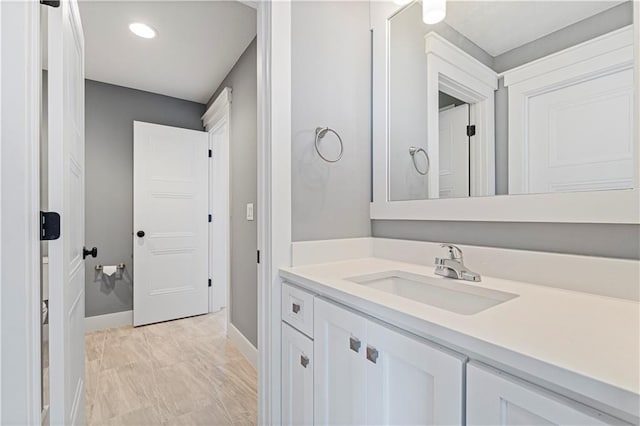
(340, 369)
(410, 382)
(297, 377)
(170, 218)
(495, 398)
(454, 152)
(581, 136)
(66, 196)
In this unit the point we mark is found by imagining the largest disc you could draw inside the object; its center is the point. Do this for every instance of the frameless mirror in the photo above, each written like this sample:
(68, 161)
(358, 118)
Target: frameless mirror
(510, 97)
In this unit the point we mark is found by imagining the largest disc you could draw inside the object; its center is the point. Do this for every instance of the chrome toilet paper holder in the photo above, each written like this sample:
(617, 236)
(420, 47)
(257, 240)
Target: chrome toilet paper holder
(120, 266)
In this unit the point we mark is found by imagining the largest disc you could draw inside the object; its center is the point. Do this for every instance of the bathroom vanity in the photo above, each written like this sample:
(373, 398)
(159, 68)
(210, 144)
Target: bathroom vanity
(374, 340)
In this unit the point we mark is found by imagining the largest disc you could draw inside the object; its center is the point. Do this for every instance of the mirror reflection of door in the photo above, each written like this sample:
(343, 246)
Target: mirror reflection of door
(454, 147)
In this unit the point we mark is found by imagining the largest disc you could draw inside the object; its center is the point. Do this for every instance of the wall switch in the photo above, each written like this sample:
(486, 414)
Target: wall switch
(249, 211)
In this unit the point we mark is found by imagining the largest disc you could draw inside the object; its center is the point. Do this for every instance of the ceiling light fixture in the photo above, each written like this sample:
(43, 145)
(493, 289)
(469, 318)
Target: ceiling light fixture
(142, 30)
(433, 11)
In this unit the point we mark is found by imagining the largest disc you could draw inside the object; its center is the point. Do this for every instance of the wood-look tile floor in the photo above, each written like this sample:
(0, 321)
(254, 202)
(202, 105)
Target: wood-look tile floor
(183, 372)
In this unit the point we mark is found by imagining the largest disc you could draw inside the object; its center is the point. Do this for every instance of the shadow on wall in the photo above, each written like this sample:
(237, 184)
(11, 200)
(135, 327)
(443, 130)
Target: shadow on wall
(120, 284)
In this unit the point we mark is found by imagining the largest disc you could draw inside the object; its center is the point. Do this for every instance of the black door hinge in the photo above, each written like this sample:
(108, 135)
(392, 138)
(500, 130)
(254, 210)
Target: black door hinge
(210, 218)
(258, 258)
(471, 130)
(210, 154)
(52, 3)
(49, 226)
(209, 282)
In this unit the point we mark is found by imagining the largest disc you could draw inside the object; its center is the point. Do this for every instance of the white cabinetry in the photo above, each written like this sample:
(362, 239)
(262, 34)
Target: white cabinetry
(297, 377)
(367, 373)
(497, 398)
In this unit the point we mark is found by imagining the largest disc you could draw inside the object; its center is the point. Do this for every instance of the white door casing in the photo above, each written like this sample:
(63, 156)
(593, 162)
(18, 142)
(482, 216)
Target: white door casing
(171, 207)
(216, 121)
(454, 152)
(66, 196)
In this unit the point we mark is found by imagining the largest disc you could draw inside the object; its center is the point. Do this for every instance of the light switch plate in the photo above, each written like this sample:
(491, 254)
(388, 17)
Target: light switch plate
(249, 211)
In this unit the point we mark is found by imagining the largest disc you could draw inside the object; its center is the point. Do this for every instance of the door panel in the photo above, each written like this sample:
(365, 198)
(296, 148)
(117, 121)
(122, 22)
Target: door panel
(297, 377)
(410, 382)
(66, 196)
(171, 215)
(495, 398)
(339, 374)
(454, 152)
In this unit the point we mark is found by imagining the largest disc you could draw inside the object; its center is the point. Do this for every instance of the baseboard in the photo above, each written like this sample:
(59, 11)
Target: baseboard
(100, 322)
(245, 346)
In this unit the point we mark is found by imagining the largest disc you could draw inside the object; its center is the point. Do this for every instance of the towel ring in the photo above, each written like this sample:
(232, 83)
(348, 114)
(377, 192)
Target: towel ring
(413, 151)
(320, 133)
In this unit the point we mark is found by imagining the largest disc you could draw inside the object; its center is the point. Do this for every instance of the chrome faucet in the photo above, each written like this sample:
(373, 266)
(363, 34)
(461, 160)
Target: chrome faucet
(453, 266)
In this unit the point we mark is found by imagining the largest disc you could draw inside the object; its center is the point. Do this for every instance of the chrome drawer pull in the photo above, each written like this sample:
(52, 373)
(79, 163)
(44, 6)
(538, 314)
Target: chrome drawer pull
(296, 308)
(304, 360)
(354, 344)
(372, 354)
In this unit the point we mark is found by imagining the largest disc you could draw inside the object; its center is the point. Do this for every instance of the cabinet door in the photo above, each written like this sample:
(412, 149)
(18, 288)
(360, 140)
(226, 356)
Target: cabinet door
(339, 373)
(496, 398)
(297, 377)
(411, 382)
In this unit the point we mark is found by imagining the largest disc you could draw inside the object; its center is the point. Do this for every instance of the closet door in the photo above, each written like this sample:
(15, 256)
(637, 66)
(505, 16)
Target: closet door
(340, 369)
(410, 381)
(297, 377)
(496, 398)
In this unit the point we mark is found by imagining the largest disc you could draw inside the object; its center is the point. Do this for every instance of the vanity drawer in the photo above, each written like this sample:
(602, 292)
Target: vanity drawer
(297, 308)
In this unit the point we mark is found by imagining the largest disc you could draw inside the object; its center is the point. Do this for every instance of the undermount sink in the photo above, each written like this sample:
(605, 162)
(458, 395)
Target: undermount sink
(444, 293)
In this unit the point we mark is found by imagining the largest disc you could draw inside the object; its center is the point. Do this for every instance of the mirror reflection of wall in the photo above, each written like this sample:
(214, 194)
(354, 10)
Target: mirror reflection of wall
(560, 103)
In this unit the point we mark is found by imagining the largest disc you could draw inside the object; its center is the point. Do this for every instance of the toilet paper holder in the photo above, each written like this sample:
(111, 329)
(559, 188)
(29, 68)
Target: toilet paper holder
(120, 266)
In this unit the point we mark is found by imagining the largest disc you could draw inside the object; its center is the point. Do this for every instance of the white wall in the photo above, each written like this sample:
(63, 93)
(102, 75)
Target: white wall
(330, 86)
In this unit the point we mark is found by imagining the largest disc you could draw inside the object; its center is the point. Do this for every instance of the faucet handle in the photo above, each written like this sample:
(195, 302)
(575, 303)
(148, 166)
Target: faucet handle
(454, 251)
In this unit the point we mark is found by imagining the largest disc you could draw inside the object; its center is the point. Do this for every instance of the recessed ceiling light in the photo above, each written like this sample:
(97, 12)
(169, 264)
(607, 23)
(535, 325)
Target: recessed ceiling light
(142, 30)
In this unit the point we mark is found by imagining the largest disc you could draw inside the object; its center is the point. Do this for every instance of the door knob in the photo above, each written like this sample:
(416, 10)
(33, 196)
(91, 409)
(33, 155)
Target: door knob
(86, 252)
(140, 234)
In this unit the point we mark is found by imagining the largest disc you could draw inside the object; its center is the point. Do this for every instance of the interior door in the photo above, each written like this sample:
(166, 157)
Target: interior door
(170, 220)
(66, 196)
(454, 152)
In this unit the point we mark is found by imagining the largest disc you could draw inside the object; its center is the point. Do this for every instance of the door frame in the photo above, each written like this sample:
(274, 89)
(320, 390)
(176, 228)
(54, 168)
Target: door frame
(20, 89)
(217, 115)
(19, 192)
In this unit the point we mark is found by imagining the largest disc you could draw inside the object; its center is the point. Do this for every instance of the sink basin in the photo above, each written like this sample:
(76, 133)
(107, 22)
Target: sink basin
(444, 293)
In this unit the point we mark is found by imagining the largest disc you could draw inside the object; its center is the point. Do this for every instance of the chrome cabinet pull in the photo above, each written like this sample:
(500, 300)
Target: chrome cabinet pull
(354, 344)
(295, 308)
(304, 360)
(372, 354)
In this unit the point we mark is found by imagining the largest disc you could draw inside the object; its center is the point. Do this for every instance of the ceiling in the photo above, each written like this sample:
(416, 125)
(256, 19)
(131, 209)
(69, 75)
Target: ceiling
(499, 26)
(198, 43)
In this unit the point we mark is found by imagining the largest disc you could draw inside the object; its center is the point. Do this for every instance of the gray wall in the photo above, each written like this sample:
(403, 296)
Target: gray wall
(244, 189)
(109, 114)
(330, 73)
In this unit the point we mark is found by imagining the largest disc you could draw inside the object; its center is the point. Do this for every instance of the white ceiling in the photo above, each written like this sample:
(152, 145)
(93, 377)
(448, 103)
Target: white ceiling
(499, 26)
(198, 43)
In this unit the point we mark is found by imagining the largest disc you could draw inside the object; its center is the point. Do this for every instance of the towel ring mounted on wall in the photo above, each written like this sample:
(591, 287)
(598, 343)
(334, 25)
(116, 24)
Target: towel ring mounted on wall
(413, 151)
(321, 133)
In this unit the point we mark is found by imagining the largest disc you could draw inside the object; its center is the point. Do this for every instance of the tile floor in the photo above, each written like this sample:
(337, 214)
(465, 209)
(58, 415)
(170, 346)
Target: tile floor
(183, 372)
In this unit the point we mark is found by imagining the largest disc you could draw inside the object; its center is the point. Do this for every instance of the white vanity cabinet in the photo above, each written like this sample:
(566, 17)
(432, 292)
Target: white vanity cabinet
(368, 373)
(497, 398)
(297, 377)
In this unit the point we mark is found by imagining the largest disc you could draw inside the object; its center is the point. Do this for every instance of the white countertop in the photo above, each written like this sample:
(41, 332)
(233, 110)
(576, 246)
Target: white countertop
(580, 342)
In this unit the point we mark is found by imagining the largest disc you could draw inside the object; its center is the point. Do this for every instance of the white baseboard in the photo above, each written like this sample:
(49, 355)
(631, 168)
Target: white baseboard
(245, 346)
(100, 322)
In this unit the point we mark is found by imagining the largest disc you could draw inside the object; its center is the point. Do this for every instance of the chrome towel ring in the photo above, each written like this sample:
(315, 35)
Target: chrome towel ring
(321, 133)
(413, 151)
